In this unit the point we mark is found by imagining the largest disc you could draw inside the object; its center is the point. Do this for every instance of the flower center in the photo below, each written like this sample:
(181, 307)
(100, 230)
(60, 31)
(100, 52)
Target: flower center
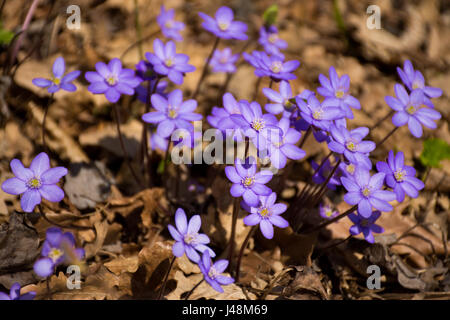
(189, 238)
(258, 124)
(411, 110)
(278, 144)
(317, 114)
(276, 66)
(56, 81)
(264, 212)
(212, 273)
(55, 254)
(273, 38)
(416, 85)
(34, 183)
(223, 26)
(351, 146)
(339, 94)
(172, 112)
(169, 62)
(400, 175)
(364, 223)
(366, 191)
(328, 212)
(223, 60)
(248, 181)
(111, 80)
(169, 24)
(288, 104)
(350, 168)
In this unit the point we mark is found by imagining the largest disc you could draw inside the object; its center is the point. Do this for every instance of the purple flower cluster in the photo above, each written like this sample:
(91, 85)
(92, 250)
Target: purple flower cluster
(34, 183)
(59, 80)
(58, 248)
(367, 192)
(270, 40)
(112, 80)
(338, 88)
(266, 214)
(247, 182)
(223, 25)
(272, 66)
(167, 62)
(400, 177)
(224, 61)
(409, 111)
(14, 294)
(187, 238)
(169, 26)
(365, 225)
(189, 241)
(172, 113)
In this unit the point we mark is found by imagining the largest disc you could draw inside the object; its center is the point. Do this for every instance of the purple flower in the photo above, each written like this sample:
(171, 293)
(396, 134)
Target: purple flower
(187, 238)
(324, 172)
(266, 214)
(172, 113)
(58, 81)
(351, 145)
(158, 142)
(223, 25)
(414, 79)
(272, 66)
(348, 169)
(213, 272)
(270, 40)
(58, 248)
(327, 212)
(224, 61)
(166, 62)
(34, 183)
(14, 294)
(365, 225)
(400, 177)
(409, 111)
(144, 71)
(142, 91)
(112, 80)
(338, 88)
(258, 127)
(247, 182)
(319, 114)
(282, 147)
(281, 102)
(366, 192)
(169, 27)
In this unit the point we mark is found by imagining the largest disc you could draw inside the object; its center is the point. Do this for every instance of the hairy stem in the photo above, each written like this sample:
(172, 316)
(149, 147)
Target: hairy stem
(326, 223)
(387, 136)
(241, 252)
(305, 136)
(193, 289)
(25, 25)
(233, 230)
(163, 286)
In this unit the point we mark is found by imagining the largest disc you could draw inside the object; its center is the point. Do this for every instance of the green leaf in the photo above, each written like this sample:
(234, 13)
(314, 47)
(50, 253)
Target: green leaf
(270, 15)
(434, 150)
(5, 36)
